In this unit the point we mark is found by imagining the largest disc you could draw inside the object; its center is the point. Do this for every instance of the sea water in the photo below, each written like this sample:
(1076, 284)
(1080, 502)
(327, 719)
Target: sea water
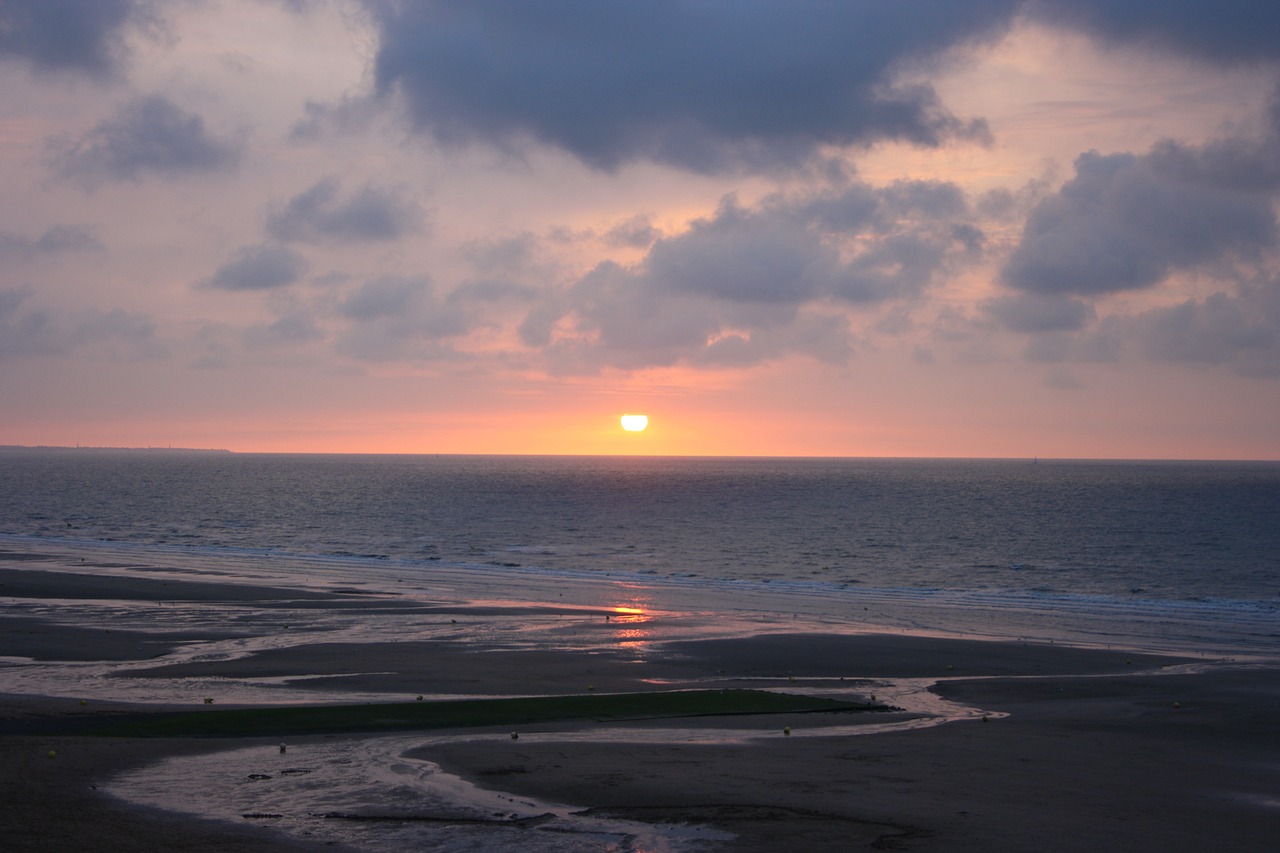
(1180, 555)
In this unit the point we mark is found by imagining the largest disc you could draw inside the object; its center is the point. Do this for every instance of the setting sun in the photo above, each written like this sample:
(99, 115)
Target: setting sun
(635, 423)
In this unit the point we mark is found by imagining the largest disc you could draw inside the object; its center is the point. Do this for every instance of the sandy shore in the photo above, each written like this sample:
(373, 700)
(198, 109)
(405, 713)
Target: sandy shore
(1080, 764)
(1096, 752)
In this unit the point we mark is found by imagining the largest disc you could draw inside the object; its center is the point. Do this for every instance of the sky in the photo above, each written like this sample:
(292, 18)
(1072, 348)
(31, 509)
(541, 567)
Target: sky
(988, 228)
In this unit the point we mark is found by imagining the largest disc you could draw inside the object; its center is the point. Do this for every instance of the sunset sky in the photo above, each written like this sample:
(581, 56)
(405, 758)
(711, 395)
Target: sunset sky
(894, 228)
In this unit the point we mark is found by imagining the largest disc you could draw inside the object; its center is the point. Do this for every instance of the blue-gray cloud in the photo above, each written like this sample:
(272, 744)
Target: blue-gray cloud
(1239, 332)
(293, 328)
(1126, 222)
(369, 214)
(720, 86)
(705, 86)
(1033, 312)
(509, 255)
(385, 297)
(149, 136)
(1224, 32)
(745, 255)
(25, 332)
(749, 283)
(68, 35)
(56, 240)
(28, 330)
(399, 317)
(261, 267)
(1242, 332)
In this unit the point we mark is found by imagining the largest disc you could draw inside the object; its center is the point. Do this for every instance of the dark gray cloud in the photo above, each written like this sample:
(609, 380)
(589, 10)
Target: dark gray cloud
(399, 317)
(56, 240)
(24, 332)
(1225, 32)
(149, 136)
(717, 86)
(748, 283)
(511, 254)
(68, 35)
(1236, 331)
(745, 256)
(1241, 332)
(261, 267)
(1033, 312)
(899, 265)
(1244, 163)
(385, 297)
(295, 327)
(1126, 222)
(621, 321)
(705, 86)
(859, 243)
(28, 330)
(1129, 222)
(369, 214)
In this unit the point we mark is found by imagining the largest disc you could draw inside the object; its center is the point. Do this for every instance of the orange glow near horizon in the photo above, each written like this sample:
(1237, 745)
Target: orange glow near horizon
(711, 420)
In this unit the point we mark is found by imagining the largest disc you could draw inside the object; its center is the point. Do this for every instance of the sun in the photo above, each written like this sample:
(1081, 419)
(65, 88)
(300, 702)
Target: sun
(635, 423)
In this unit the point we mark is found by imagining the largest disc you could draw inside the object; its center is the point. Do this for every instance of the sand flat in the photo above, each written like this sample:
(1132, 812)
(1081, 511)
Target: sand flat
(1085, 749)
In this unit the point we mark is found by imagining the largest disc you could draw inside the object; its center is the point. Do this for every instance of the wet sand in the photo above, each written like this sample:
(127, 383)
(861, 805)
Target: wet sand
(1079, 764)
(1084, 749)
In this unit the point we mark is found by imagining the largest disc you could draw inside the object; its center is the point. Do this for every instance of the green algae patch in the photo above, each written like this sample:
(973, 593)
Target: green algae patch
(464, 713)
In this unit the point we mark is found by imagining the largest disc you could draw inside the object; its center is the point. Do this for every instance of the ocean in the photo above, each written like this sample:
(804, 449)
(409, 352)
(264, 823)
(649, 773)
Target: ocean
(1181, 556)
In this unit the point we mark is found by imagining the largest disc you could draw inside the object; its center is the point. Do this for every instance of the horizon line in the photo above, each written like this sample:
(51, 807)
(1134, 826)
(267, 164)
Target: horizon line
(226, 451)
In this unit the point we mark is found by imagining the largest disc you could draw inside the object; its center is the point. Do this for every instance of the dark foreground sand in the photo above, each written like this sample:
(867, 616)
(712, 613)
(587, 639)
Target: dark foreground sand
(1078, 765)
(1095, 753)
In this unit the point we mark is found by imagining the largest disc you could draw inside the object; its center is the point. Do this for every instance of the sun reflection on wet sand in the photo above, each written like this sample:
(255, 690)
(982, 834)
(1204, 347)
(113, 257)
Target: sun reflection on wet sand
(635, 637)
(629, 614)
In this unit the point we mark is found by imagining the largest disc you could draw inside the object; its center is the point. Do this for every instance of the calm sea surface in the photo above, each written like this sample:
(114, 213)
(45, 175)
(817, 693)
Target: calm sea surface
(1168, 552)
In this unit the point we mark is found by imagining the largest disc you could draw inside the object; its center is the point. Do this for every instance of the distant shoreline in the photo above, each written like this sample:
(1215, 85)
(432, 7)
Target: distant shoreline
(71, 449)
(1029, 460)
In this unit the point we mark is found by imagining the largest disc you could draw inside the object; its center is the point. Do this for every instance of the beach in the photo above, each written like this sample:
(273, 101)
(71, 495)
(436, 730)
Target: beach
(1045, 747)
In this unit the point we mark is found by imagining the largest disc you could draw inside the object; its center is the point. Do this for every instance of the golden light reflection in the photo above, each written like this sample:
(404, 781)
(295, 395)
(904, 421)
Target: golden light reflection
(634, 639)
(628, 614)
(631, 633)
